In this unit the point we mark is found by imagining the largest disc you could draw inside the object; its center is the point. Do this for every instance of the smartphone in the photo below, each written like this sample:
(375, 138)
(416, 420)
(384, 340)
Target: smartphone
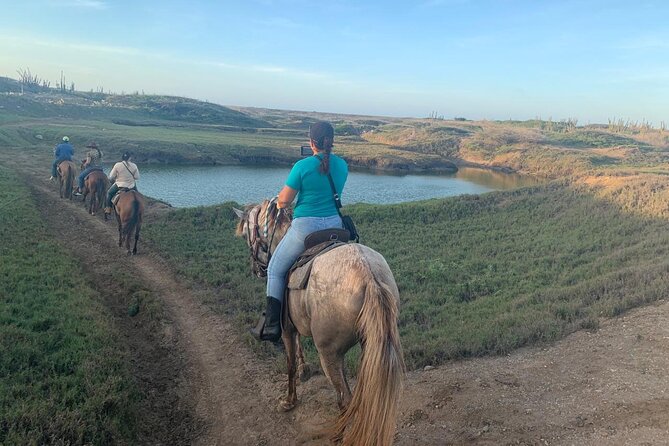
(306, 151)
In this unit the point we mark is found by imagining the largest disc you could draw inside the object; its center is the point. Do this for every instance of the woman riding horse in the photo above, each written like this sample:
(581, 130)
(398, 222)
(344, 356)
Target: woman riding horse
(350, 297)
(93, 161)
(124, 174)
(315, 210)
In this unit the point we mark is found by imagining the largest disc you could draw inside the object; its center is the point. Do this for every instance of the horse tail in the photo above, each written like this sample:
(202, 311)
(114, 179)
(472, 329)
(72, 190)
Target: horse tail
(135, 216)
(369, 419)
(69, 180)
(100, 191)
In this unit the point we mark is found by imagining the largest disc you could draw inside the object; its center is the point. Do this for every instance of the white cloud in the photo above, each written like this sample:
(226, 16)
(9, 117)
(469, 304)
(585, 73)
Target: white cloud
(86, 47)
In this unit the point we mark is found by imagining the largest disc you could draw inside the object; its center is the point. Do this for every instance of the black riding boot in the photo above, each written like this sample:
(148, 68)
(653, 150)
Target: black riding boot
(269, 325)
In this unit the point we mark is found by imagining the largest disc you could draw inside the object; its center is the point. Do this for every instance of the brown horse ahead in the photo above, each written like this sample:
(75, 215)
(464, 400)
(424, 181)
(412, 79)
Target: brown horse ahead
(66, 174)
(95, 184)
(129, 211)
(351, 297)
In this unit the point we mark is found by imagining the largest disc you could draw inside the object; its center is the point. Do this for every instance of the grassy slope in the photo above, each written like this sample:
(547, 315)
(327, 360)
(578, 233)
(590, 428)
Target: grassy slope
(180, 130)
(477, 275)
(63, 378)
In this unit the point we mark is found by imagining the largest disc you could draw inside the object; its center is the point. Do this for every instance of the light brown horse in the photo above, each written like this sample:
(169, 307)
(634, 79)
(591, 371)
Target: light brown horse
(95, 184)
(351, 297)
(129, 210)
(66, 173)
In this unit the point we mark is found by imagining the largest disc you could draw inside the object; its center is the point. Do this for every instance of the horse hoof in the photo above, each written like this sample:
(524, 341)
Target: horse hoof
(286, 405)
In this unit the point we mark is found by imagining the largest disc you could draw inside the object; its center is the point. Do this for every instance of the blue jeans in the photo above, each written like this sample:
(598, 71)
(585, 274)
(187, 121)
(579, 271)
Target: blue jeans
(84, 173)
(290, 248)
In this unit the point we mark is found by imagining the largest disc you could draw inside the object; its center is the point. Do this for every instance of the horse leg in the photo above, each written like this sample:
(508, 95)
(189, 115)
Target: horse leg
(94, 202)
(290, 342)
(120, 231)
(126, 236)
(304, 370)
(90, 205)
(138, 226)
(333, 366)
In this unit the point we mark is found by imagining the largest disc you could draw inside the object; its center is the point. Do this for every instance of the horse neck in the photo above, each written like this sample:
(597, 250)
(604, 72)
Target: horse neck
(276, 230)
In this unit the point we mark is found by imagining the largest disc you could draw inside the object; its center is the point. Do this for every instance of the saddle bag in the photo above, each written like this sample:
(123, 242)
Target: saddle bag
(349, 226)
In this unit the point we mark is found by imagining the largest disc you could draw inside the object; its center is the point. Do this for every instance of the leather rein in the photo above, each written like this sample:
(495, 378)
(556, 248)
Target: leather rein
(257, 238)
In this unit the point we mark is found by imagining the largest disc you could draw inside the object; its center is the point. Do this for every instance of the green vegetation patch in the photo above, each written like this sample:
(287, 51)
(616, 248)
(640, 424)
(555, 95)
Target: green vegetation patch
(477, 275)
(583, 139)
(62, 376)
(487, 274)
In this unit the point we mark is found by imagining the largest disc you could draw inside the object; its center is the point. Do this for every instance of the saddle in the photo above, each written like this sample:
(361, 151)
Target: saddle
(93, 169)
(121, 190)
(58, 166)
(315, 244)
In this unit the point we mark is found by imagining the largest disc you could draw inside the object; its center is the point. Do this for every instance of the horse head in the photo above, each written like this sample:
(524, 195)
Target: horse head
(262, 226)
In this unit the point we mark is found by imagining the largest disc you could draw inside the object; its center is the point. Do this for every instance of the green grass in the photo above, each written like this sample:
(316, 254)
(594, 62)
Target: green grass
(478, 275)
(583, 139)
(63, 377)
(202, 144)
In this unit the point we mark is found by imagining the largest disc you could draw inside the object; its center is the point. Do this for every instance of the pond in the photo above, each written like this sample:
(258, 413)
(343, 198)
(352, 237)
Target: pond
(188, 186)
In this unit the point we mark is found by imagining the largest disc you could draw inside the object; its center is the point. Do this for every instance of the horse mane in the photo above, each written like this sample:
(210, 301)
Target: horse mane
(268, 210)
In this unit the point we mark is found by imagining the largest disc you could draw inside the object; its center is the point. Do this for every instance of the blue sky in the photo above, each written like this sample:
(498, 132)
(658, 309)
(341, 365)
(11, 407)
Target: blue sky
(504, 59)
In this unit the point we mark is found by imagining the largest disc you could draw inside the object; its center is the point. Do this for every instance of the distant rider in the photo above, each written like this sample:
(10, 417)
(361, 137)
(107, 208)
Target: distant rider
(93, 161)
(315, 210)
(63, 152)
(124, 174)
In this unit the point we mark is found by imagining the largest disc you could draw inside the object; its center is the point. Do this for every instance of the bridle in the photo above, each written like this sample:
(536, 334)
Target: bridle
(259, 238)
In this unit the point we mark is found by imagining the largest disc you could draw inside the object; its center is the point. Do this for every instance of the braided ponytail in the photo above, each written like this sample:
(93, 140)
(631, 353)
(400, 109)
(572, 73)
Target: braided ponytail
(322, 134)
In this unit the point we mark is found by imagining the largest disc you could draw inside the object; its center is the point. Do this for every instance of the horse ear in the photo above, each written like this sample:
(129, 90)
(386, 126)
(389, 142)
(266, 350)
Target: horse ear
(238, 213)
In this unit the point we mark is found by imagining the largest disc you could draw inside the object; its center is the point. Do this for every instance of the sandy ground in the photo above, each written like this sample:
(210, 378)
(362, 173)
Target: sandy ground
(205, 387)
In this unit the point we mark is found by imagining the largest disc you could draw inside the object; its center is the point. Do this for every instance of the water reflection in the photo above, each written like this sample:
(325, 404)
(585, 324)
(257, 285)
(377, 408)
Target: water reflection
(186, 186)
(495, 179)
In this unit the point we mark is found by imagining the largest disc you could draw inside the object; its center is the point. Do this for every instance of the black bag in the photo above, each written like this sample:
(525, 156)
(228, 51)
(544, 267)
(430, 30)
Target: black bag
(346, 220)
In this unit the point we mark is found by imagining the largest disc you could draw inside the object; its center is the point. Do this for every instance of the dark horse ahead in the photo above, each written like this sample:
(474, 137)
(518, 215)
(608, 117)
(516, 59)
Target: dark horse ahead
(129, 211)
(95, 185)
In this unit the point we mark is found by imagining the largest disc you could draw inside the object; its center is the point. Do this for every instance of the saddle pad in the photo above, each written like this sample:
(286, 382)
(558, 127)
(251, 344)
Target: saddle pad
(118, 194)
(298, 276)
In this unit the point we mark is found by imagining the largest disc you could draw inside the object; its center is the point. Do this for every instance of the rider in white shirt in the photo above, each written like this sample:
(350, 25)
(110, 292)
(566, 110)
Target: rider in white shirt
(124, 174)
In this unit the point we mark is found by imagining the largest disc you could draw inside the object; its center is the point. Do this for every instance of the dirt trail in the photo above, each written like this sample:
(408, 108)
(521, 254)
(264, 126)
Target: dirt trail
(608, 387)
